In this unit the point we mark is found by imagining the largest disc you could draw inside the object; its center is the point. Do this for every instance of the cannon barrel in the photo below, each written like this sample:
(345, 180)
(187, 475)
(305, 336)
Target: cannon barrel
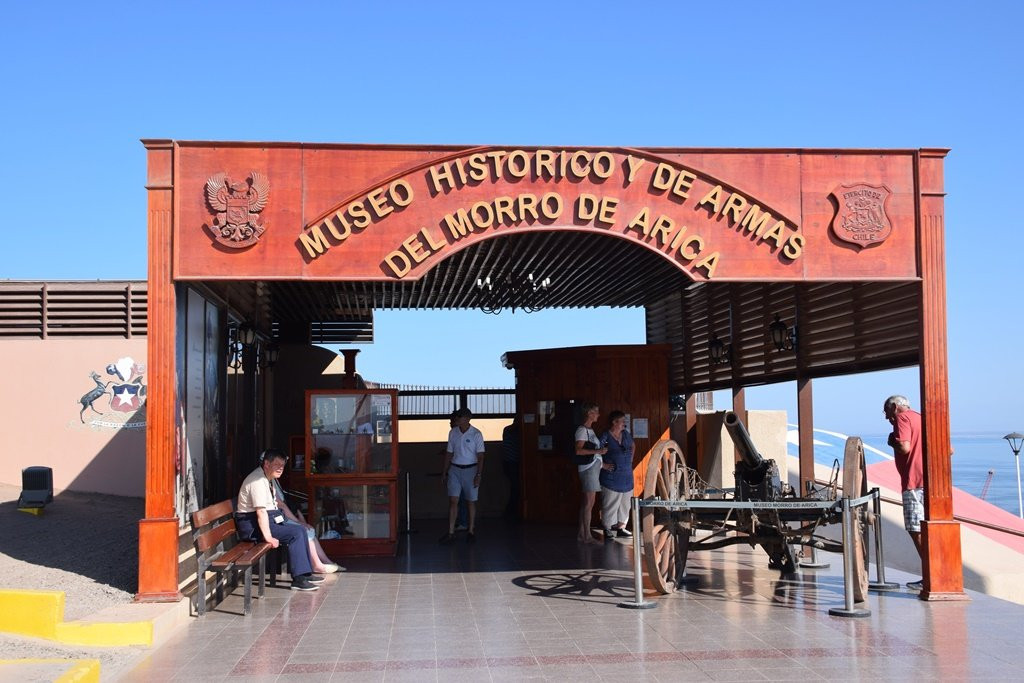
(741, 438)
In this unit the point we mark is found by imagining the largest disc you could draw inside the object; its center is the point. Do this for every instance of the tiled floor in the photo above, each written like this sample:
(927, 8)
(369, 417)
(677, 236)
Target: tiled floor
(527, 603)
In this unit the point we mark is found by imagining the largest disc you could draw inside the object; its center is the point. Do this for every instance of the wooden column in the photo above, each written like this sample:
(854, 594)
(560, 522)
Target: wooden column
(942, 564)
(691, 431)
(805, 420)
(158, 532)
(739, 406)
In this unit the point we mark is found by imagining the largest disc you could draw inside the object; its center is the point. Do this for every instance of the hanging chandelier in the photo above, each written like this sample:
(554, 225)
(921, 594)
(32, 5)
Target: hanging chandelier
(513, 291)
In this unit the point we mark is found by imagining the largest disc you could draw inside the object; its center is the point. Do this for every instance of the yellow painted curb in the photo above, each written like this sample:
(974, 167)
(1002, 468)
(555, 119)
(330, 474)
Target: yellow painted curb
(31, 613)
(62, 670)
(105, 633)
(83, 671)
(40, 614)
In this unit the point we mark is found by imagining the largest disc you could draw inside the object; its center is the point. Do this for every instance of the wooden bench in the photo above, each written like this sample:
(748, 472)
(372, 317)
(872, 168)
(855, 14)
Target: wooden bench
(212, 556)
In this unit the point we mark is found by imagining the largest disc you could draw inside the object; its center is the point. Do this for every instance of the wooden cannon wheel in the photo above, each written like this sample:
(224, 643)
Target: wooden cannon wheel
(666, 540)
(855, 485)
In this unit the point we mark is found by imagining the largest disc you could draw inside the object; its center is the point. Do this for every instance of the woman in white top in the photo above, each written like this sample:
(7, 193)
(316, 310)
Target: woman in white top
(589, 463)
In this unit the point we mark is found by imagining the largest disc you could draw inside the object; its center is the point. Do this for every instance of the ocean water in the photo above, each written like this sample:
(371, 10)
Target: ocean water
(973, 456)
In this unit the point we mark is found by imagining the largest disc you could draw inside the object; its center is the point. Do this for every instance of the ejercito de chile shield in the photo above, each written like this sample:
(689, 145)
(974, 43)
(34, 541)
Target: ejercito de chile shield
(861, 218)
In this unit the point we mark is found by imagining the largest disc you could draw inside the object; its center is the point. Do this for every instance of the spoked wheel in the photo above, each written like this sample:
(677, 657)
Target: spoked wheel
(666, 539)
(855, 485)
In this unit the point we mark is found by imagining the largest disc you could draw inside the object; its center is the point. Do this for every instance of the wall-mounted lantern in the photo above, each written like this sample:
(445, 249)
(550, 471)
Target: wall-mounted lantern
(783, 336)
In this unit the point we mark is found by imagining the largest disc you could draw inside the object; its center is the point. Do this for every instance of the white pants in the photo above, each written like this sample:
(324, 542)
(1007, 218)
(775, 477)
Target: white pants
(614, 507)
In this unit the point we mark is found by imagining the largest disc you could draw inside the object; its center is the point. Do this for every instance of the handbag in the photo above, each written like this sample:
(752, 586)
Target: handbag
(585, 459)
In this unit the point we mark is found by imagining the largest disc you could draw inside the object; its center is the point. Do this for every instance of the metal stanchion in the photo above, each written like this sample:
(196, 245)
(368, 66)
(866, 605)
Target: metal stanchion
(848, 531)
(408, 506)
(638, 589)
(880, 584)
(814, 562)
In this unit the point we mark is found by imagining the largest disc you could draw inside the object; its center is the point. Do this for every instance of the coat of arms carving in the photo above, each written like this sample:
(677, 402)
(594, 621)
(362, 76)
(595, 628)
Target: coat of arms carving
(236, 208)
(861, 218)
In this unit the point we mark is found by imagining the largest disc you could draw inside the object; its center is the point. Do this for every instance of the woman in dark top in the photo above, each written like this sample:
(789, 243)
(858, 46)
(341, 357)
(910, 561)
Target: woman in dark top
(616, 477)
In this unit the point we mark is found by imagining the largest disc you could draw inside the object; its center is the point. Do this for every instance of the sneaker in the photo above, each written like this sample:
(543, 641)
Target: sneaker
(447, 539)
(470, 537)
(461, 527)
(916, 585)
(303, 584)
(329, 568)
(313, 578)
(609, 534)
(623, 533)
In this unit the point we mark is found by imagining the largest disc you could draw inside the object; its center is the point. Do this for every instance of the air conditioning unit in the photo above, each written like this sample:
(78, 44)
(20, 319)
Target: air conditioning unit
(36, 487)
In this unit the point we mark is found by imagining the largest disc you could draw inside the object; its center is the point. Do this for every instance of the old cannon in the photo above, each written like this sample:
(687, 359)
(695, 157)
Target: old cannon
(777, 521)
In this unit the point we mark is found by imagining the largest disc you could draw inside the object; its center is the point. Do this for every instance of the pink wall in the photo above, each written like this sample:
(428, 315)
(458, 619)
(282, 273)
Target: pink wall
(43, 384)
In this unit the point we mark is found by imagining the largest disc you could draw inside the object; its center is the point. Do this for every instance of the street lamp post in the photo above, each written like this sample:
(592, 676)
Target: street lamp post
(1016, 440)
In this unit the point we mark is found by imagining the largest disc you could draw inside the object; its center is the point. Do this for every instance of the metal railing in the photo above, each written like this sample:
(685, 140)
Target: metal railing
(956, 518)
(433, 403)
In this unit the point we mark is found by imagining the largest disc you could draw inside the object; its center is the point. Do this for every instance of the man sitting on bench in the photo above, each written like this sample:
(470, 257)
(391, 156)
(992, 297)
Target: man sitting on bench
(258, 518)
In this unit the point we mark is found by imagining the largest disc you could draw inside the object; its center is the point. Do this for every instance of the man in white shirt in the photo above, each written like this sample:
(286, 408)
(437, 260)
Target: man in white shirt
(463, 466)
(258, 518)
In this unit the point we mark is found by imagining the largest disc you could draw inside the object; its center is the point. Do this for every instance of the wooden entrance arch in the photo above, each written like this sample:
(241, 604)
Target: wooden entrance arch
(712, 242)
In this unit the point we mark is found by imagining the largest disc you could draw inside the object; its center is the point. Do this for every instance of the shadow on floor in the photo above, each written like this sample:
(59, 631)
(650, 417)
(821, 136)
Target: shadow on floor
(92, 535)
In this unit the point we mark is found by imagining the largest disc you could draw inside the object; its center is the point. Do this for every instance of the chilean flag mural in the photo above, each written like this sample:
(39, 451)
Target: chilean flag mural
(126, 397)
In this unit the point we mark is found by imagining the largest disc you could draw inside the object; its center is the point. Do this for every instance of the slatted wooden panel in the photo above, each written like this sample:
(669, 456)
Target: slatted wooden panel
(664, 321)
(842, 328)
(718, 309)
(43, 310)
(749, 330)
(860, 326)
(86, 312)
(586, 270)
(777, 298)
(342, 332)
(22, 310)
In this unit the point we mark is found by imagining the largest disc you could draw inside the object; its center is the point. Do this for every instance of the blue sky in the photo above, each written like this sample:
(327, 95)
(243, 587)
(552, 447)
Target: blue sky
(81, 83)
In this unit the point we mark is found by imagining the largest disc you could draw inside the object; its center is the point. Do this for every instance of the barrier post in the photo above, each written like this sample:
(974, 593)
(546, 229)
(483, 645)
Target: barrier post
(408, 506)
(880, 583)
(638, 589)
(850, 610)
(814, 562)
